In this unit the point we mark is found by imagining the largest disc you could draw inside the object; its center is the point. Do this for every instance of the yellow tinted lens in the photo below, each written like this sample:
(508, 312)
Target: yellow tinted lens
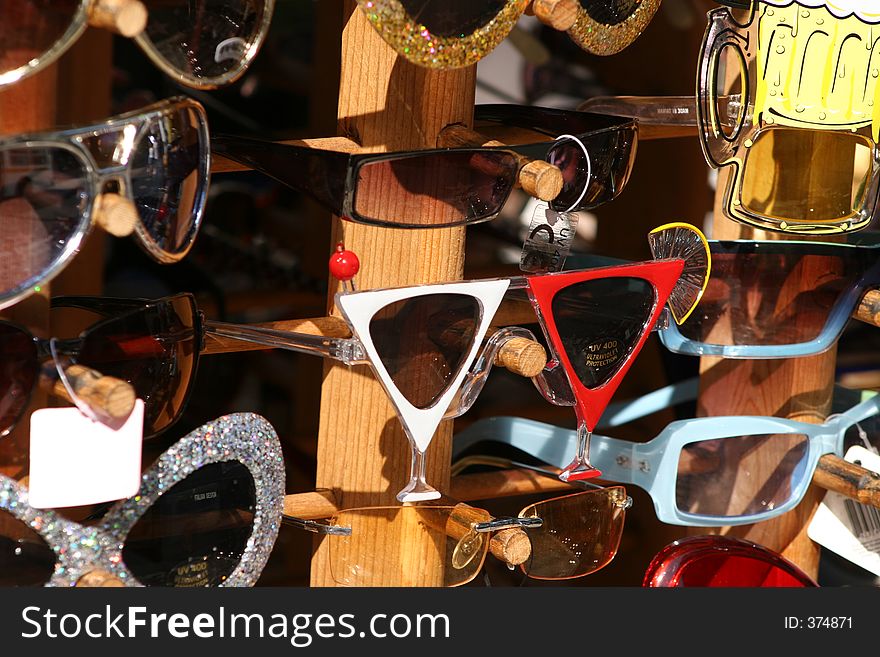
(580, 533)
(781, 175)
(402, 546)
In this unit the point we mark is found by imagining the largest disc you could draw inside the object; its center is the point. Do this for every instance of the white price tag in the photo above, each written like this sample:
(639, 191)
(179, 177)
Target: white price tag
(847, 527)
(75, 460)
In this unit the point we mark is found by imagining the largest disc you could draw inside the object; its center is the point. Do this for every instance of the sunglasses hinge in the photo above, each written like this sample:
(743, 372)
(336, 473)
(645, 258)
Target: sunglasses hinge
(348, 350)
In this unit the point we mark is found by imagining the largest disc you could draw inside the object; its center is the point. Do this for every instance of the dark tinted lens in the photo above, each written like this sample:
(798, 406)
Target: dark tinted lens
(600, 323)
(610, 12)
(43, 195)
(166, 184)
(438, 189)
(740, 476)
(152, 349)
(18, 373)
(611, 157)
(423, 342)
(25, 558)
(453, 18)
(196, 532)
(766, 298)
(204, 39)
(30, 28)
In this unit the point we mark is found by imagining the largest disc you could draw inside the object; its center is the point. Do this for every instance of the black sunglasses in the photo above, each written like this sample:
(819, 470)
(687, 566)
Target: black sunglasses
(444, 187)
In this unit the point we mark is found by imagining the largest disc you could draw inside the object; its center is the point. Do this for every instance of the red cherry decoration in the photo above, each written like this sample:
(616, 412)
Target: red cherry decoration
(344, 264)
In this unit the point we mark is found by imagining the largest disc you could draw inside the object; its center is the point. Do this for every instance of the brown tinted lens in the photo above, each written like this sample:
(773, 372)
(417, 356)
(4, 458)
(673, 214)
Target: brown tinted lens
(423, 342)
(436, 189)
(44, 193)
(610, 12)
(19, 368)
(154, 350)
(783, 186)
(767, 298)
(740, 476)
(30, 28)
(453, 18)
(600, 322)
(402, 546)
(25, 558)
(580, 533)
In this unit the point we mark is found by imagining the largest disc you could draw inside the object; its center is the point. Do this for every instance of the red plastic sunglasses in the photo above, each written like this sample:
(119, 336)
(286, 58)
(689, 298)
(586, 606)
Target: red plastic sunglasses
(721, 561)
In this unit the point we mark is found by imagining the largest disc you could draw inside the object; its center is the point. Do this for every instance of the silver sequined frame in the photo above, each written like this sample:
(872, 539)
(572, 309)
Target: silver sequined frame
(243, 437)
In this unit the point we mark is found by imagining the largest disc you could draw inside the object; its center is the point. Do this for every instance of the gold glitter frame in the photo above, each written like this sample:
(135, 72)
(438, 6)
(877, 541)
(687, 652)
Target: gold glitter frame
(601, 39)
(412, 40)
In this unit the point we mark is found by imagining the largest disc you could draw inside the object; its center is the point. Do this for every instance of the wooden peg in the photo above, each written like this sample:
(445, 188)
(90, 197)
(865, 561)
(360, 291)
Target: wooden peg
(849, 479)
(99, 579)
(559, 14)
(113, 396)
(868, 310)
(503, 483)
(116, 214)
(537, 178)
(125, 17)
(522, 356)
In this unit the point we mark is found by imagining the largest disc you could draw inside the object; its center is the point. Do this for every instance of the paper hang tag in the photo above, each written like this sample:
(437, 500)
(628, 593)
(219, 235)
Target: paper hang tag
(75, 460)
(847, 527)
(549, 240)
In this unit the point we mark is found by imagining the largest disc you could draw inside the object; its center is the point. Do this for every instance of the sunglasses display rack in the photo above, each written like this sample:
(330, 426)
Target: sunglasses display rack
(363, 456)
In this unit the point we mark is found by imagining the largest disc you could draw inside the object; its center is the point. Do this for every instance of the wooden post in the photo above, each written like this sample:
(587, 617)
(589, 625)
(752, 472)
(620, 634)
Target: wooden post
(386, 103)
(799, 388)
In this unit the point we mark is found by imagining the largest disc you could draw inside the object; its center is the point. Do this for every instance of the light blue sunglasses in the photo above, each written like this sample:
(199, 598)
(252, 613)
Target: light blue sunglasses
(773, 299)
(703, 472)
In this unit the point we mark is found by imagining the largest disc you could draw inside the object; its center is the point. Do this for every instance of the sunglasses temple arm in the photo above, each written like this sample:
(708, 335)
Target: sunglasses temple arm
(318, 173)
(858, 413)
(347, 350)
(674, 394)
(315, 527)
(665, 111)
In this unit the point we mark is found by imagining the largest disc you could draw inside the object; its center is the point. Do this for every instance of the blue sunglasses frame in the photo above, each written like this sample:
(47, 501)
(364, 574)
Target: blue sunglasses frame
(653, 466)
(675, 341)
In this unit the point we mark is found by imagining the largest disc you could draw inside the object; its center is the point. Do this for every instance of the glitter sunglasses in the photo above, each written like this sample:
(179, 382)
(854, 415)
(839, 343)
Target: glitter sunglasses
(442, 187)
(207, 514)
(722, 561)
(145, 171)
(199, 43)
(754, 101)
(702, 472)
(569, 536)
(596, 322)
(448, 34)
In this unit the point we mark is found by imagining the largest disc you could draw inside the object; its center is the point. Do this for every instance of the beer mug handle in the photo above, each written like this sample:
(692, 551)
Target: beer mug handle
(726, 120)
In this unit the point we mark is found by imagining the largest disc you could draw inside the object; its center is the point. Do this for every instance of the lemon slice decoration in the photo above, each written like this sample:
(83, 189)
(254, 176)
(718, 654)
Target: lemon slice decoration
(681, 240)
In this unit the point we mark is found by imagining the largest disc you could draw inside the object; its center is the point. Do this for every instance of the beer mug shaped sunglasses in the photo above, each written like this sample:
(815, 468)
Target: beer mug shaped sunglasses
(145, 171)
(422, 341)
(786, 97)
(454, 33)
(199, 43)
(702, 472)
(207, 514)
